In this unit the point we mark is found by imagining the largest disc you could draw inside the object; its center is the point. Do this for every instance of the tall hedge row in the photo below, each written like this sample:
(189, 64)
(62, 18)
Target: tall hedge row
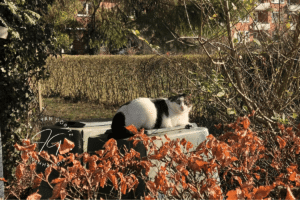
(118, 79)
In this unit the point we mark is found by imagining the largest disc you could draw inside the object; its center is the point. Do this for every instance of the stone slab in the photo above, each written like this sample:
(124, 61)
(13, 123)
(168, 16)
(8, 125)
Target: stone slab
(77, 132)
(196, 135)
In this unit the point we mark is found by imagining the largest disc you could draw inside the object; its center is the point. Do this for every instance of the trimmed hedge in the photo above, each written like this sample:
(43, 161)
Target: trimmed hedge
(118, 79)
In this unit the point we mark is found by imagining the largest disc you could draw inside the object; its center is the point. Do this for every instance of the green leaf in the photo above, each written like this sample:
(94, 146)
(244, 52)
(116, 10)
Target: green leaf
(295, 115)
(257, 41)
(245, 108)
(231, 111)
(220, 94)
(29, 19)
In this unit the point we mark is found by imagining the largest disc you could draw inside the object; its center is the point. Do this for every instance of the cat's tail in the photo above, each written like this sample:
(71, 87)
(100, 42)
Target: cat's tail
(118, 128)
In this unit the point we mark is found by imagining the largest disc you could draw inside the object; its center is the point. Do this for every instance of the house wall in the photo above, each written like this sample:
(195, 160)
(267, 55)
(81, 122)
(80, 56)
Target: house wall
(79, 44)
(265, 17)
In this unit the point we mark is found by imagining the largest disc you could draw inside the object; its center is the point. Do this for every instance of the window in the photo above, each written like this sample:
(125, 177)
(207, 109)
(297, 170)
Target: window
(255, 17)
(291, 17)
(292, 2)
(275, 17)
(243, 36)
(84, 11)
(277, 1)
(245, 19)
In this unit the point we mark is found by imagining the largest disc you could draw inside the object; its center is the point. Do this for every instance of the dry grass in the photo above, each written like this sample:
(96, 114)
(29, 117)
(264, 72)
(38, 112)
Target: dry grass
(77, 111)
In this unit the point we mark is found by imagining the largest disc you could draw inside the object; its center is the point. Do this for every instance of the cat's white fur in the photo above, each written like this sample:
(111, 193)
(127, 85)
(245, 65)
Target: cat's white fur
(142, 113)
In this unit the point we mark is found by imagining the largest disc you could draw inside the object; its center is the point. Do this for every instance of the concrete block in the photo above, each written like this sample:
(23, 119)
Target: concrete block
(77, 132)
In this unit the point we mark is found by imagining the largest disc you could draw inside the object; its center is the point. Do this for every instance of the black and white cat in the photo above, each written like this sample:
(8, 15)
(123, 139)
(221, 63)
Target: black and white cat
(151, 114)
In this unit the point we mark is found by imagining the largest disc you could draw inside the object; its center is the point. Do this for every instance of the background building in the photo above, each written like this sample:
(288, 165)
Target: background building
(267, 18)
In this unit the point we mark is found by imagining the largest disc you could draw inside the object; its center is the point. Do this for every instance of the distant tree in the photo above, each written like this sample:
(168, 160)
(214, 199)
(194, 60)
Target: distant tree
(62, 15)
(108, 25)
(164, 20)
(30, 41)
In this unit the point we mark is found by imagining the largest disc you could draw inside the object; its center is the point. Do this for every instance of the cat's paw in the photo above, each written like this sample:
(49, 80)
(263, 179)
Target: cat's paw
(188, 126)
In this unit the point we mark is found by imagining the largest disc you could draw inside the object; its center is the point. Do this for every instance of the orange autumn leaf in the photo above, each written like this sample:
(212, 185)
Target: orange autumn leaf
(134, 184)
(57, 190)
(252, 113)
(54, 158)
(112, 177)
(293, 176)
(103, 181)
(183, 182)
(167, 138)
(100, 152)
(25, 148)
(156, 156)
(45, 155)
(218, 126)
(189, 145)
(24, 156)
(20, 170)
(25, 142)
(193, 188)
(85, 157)
(63, 194)
(66, 147)
(57, 180)
(60, 158)
(197, 164)
(239, 180)
(174, 192)
(110, 144)
(281, 142)
(32, 166)
(34, 196)
(262, 191)
(177, 177)
(257, 176)
(234, 194)
(146, 165)
(289, 194)
(245, 123)
(281, 127)
(30, 147)
(181, 168)
(92, 165)
(148, 197)
(135, 142)
(34, 155)
(37, 180)
(151, 187)
(183, 142)
(132, 129)
(3, 179)
(123, 187)
(48, 171)
(292, 168)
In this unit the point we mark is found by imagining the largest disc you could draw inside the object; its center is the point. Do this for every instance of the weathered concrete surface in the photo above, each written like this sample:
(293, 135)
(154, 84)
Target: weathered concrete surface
(90, 137)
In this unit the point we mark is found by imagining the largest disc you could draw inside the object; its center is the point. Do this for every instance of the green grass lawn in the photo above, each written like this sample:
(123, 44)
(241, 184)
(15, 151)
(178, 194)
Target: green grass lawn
(80, 111)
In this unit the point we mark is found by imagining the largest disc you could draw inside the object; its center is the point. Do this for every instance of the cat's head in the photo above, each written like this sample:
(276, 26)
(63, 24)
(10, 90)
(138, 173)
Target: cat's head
(181, 103)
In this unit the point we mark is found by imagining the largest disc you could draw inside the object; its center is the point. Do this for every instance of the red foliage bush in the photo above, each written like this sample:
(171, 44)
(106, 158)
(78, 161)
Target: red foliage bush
(249, 167)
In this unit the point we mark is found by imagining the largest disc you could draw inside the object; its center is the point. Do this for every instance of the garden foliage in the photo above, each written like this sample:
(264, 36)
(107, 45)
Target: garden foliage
(247, 166)
(118, 79)
(22, 63)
